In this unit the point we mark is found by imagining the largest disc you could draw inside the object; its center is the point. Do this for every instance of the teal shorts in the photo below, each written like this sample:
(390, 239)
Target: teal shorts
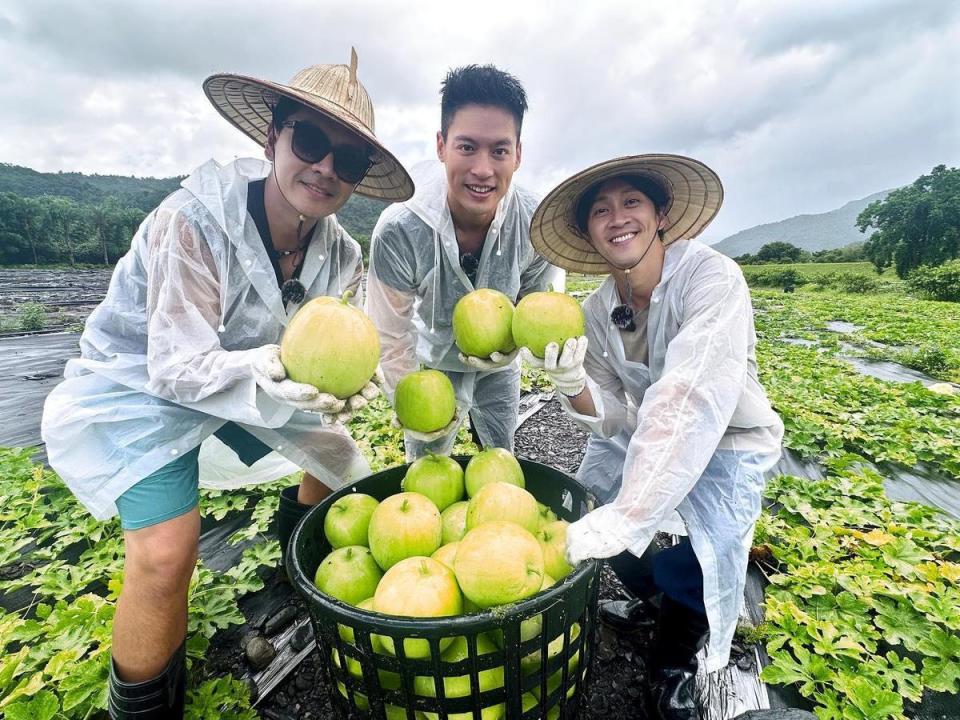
(174, 489)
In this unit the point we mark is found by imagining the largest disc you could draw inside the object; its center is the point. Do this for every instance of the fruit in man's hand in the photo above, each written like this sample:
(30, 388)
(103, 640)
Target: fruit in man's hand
(425, 401)
(331, 345)
(545, 317)
(482, 323)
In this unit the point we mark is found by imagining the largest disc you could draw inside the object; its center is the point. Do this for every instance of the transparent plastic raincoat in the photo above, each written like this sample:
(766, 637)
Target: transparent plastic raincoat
(165, 358)
(415, 279)
(691, 430)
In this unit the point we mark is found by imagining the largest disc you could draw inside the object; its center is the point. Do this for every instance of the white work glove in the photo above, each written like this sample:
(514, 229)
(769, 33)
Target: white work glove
(357, 402)
(496, 360)
(593, 536)
(428, 437)
(566, 371)
(271, 376)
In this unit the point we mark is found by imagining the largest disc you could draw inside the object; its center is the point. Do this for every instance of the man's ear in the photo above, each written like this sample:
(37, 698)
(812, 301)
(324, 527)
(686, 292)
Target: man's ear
(662, 218)
(519, 153)
(269, 147)
(440, 145)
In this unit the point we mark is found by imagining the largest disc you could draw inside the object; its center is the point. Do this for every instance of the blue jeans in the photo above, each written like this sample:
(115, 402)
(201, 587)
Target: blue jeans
(674, 571)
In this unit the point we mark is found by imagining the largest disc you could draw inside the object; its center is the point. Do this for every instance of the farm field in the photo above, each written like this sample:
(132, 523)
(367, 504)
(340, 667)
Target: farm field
(863, 601)
(815, 269)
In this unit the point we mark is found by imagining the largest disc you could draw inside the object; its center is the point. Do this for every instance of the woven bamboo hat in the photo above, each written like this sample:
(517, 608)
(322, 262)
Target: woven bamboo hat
(695, 195)
(333, 90)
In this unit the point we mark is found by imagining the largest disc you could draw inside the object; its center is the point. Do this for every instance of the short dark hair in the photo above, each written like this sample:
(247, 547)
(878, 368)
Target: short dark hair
(480, 85)
(284, 108)
(648, 186)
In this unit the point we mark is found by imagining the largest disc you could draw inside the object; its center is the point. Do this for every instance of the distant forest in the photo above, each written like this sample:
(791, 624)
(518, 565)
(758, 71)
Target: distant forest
(72, 218)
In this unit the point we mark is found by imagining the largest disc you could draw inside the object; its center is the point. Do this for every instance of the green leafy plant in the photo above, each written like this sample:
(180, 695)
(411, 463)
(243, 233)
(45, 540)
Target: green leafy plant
(863, 606)
(55, 652)
(32, 316)
(937, 283)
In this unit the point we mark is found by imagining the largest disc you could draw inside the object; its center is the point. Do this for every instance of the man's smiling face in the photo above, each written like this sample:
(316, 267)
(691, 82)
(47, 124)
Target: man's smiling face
(480, 152)
(314, 189)
(622, 222)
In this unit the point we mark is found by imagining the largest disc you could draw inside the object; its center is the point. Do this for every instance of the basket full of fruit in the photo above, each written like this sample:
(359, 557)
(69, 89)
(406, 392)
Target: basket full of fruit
(439, 589)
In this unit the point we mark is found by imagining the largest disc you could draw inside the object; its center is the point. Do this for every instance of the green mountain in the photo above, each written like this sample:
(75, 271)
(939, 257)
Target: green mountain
(358, 216)
(824, 231)
(141, 193)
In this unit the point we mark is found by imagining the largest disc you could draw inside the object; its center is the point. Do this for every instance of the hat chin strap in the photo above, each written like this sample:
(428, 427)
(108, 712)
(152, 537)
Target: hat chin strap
(622, 315)
(276, 181)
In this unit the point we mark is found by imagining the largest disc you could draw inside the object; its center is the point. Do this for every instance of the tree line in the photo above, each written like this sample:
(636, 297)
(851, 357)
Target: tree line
(784, 252)
(917, 226)
(72, 218)
(49, 229)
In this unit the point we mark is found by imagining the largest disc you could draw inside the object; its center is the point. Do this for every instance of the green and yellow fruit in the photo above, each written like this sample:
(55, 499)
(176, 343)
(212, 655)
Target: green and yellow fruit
(425, 401)
(483, 323)
(545, 317)
(331, 345)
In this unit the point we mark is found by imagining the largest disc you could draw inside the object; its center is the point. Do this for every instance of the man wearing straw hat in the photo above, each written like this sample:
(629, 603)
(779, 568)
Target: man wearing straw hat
(665, 381)
(466, 228)
(183, 349)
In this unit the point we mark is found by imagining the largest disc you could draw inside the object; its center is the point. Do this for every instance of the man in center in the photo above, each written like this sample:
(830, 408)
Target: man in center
(467, 227)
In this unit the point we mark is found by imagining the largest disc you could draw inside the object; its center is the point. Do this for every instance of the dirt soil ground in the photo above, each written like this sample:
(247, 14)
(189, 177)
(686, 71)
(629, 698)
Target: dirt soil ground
(67, 296)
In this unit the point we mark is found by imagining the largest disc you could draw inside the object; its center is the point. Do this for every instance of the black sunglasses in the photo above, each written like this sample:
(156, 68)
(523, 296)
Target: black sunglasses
(311, 144)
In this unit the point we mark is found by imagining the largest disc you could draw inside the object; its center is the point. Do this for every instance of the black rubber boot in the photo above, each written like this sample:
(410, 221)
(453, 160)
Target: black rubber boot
(628, 616)
(289, 514)
(160, 698)
(681, 633)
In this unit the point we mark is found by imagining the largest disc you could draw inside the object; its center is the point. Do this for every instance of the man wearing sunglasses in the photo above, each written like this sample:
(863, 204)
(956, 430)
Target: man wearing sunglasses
(466, 228)
(183, 352)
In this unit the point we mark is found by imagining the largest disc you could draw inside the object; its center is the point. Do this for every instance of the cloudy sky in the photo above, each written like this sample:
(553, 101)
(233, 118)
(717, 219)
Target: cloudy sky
(799, 106)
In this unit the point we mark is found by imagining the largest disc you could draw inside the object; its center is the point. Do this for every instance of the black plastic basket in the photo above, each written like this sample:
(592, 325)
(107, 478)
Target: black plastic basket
(368, 684)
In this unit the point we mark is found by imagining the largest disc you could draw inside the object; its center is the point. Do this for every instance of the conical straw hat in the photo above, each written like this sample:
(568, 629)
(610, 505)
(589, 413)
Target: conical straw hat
(333, 90)
(694, 190)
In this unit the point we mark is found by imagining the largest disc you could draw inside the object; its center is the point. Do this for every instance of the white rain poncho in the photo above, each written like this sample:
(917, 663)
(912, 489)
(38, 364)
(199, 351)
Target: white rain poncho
(415, 279)
(165, 358)
(691, 430)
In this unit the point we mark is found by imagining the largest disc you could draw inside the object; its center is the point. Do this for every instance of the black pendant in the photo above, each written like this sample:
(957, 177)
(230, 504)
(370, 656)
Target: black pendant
(622, 317)
(292, 291)
(470, 262)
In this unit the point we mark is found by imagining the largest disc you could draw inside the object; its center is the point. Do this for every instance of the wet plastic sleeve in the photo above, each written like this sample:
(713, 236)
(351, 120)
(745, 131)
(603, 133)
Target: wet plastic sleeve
(355, 285)
(606, 390)
(185, 361)
(391, 295)
(682, 418)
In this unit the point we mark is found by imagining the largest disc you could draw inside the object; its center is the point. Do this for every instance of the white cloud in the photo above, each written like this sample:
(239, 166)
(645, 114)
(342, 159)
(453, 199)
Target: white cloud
(800, 107)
